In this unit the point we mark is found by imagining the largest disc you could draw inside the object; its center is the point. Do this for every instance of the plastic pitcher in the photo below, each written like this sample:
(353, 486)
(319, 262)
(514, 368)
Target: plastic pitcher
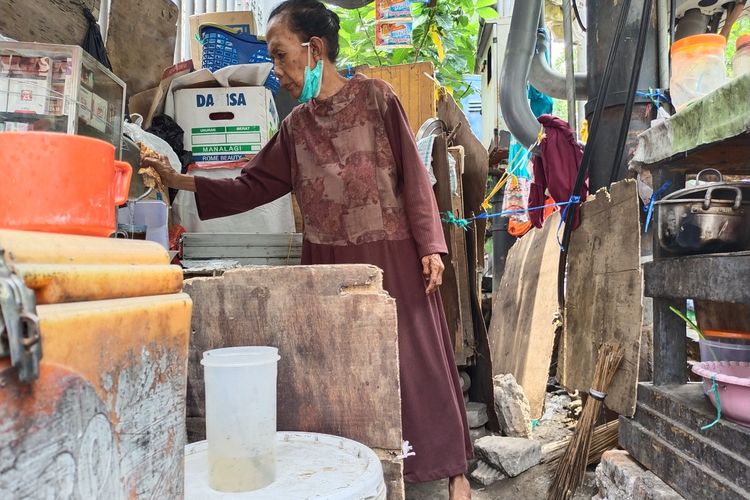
(241, 417)
(698, 67)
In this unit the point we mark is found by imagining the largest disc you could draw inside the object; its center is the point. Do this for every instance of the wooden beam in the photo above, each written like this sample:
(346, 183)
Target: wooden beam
(717, 277)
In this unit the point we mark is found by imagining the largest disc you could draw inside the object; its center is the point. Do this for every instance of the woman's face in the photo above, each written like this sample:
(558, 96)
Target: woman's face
(290, 57)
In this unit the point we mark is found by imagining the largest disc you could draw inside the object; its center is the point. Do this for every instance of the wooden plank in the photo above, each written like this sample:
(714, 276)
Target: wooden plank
(719, 316)
(141, 41)
(449, 290)
(685, 277)
(415, 90)
(522, 333)
(464, 349)
(728, 156)
(336, 331)
(46, 21)
(604, 294)
(104, 419)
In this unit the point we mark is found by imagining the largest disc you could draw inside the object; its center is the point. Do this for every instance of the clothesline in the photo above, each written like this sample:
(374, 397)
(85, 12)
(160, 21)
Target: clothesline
(449, 218)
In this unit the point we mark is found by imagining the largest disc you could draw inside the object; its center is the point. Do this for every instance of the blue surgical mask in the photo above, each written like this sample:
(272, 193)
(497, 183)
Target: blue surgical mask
(313, 78)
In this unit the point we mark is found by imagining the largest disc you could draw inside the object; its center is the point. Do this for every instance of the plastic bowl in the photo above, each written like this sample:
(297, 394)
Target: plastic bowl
(733, 381)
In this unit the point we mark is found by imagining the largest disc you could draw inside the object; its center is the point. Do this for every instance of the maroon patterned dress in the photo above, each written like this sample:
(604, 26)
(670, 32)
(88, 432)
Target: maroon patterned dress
(365, 198)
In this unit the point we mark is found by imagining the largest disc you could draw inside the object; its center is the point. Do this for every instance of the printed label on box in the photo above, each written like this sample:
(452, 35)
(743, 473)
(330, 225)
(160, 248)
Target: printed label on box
(225, 124)
(4, 83)
(393, 35)
(392, 9)
(27, 95)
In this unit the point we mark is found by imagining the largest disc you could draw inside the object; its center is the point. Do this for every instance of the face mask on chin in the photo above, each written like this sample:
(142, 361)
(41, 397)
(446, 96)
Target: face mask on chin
(313, 78)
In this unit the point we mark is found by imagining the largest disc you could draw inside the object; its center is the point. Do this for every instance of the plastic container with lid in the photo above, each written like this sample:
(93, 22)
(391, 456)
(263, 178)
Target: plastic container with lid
(741, 60)
(697, 67)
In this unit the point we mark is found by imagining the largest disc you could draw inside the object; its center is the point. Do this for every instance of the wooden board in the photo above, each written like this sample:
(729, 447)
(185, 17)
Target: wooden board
(46, 21)
(141, 41)
(604, 294)
(336, 331)
(104, 419)
(415, 89)
(721, 316)
(522, 334)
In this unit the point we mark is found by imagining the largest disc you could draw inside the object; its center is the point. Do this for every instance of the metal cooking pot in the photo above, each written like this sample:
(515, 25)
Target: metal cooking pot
(717, 222)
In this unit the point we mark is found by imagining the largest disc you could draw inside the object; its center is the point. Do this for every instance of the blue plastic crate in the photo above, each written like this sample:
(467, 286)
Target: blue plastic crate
(223, 46)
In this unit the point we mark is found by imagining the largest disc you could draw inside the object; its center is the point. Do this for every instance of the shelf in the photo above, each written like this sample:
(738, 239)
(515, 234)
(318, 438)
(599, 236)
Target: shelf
(729, 156)
(7, 116)
(715, 277)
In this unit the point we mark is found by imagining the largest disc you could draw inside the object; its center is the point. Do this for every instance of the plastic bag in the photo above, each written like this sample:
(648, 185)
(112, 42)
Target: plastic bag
(138, 135)
(272, 218)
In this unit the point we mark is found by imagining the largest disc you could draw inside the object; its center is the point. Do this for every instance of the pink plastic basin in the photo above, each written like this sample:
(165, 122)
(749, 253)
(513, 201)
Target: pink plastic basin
(733, 381)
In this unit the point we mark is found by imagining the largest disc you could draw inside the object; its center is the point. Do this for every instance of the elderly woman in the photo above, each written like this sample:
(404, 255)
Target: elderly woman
(350, 157)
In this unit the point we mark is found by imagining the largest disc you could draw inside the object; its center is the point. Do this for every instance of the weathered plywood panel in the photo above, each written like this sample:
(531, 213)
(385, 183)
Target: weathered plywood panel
(336, 331)
(141, 41)
(721, 316)
(46, 21)
(604, 294)
(522, 333)
(414, 88)
(105, 418)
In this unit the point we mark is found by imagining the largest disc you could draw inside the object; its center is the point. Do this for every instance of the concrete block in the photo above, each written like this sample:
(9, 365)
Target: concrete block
(476, 414)
(465, 381)
(508, 454)
(512, 407)
(478, 433)
(619, 477)
(486, 475)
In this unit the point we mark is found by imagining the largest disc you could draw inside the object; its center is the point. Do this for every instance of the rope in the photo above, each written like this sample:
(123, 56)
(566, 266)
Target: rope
(656, 96)
(449, 218)
(649, 208)
(715, 390)
(563, 217)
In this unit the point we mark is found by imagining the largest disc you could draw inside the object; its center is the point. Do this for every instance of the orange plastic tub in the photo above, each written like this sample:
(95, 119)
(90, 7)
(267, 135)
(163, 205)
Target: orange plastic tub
(60, 183)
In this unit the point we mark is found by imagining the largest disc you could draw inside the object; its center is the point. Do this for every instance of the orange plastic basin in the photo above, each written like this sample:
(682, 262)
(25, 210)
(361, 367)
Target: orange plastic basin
(726, 334)
(60, 183)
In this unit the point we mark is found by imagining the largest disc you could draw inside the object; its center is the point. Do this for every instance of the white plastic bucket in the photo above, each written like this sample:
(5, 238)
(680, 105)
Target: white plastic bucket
(309, 466)
(240, 417)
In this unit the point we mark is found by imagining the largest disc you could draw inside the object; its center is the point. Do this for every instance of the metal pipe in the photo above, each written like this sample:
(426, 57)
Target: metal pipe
(632, 88)
(569, 70)
(104, 6)
(514, 101)
(662, 20)
(544, 77)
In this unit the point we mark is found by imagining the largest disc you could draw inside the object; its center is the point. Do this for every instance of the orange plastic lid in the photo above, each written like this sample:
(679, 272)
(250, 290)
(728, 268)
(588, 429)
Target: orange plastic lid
(726, 334)
(742, 41)
(694, 41)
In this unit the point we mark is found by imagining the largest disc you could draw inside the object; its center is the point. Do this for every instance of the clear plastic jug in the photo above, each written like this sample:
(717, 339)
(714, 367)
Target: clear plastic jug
(241, 417)
(698, 67)
(741, 60)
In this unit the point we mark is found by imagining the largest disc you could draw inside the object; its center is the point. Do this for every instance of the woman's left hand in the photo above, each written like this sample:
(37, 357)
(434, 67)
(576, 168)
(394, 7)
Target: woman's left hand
(432, 268)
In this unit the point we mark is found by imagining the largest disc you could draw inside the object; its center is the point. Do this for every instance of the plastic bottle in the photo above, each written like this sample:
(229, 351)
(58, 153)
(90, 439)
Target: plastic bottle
(741, 61)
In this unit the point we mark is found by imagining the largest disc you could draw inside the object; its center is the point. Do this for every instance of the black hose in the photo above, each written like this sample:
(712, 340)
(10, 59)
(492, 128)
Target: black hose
(578, 15)
(632, 89)
(588, 150)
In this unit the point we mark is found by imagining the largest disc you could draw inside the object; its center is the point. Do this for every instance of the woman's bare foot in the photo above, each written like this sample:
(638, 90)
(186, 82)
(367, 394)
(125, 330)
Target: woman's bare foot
(459, 488)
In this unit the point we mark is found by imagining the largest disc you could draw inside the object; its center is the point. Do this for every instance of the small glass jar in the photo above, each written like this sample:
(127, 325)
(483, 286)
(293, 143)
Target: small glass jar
(741, 61)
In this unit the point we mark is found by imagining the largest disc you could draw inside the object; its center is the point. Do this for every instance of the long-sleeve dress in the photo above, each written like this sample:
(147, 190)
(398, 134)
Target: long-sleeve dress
(365, 198)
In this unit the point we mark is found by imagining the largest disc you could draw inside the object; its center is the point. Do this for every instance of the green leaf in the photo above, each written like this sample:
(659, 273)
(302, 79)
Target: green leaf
(486, 3)
(488, 13)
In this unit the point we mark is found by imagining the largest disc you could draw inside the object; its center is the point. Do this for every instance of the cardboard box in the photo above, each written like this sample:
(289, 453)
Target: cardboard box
(100, 112)
(243, 21)
(28, 95)
(141, 102)
(85, 104)
(4, 83)
(225, 124)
